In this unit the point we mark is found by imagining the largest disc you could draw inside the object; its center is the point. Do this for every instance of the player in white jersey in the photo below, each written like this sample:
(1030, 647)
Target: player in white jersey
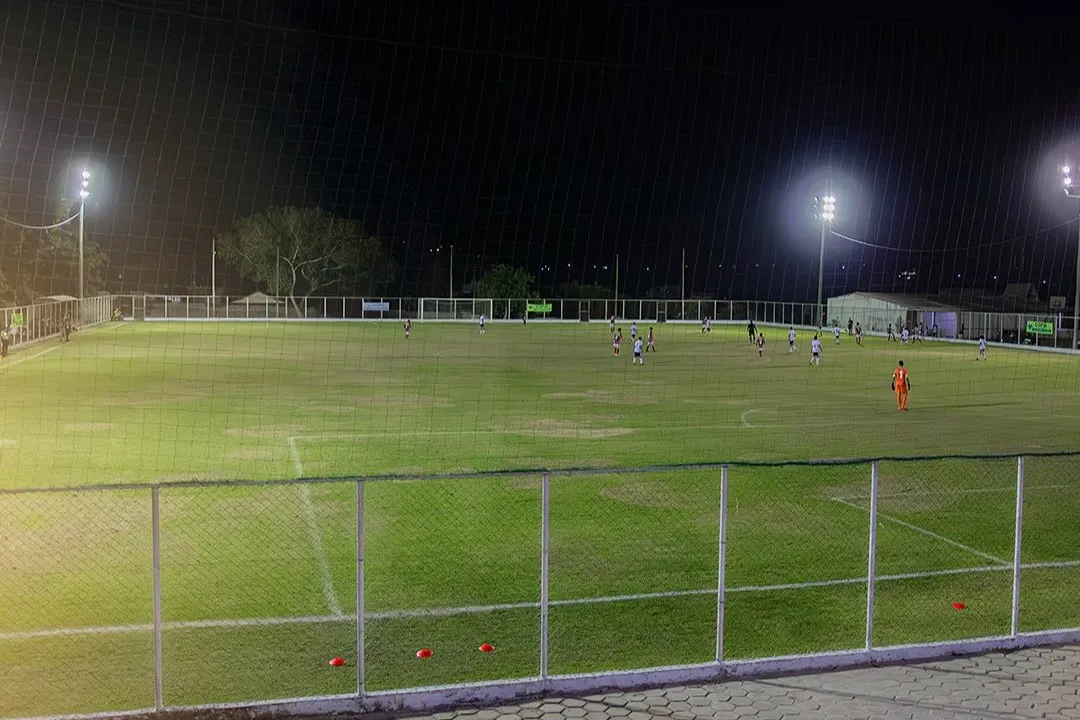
(761, 345)
(482, 321)
(708, 325)
(836, 334)
(982, 348)
(633, 330)
(791, 340)
(815, 351)
(904, 336)
(611, 325)
(408, 328)
(638, 357)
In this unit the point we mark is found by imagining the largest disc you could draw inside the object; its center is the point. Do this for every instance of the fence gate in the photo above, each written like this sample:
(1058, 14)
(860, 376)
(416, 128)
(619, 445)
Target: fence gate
(138, 307)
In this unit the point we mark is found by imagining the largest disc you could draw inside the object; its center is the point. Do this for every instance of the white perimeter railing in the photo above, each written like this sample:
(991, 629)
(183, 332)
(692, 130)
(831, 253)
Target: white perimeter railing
(1011, 615)
(41, 321)
(999, 328)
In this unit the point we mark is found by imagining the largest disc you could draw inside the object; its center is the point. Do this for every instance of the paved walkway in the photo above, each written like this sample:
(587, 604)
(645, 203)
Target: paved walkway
(1038, 683)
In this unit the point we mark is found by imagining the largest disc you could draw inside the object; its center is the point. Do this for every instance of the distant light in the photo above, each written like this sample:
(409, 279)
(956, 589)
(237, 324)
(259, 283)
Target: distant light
(84, 194)
(85, 175)
(829, 199)
(1065, 169)
(958, 275)
(1067, 181)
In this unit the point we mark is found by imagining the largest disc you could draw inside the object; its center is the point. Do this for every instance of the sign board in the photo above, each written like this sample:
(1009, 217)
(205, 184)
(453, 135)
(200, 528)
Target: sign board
(1057, 302)
(538, 307)
(17, 319)
(1035, 327)
(376, 307)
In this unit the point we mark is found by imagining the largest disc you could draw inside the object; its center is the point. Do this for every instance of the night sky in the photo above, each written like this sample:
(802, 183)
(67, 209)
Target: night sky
(554, 136)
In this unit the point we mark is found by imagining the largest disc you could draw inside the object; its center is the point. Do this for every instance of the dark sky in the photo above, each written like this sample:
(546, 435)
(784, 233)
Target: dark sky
(553, 135)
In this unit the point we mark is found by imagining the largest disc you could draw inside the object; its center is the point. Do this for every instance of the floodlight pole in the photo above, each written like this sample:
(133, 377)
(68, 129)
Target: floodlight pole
(451, 272)
(1074, 192)
(83, 193)
(213, 267)
(820, 273)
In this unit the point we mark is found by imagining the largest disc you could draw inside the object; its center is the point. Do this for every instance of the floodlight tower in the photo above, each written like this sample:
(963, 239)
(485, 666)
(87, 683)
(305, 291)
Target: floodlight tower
(1074, 192)
(84, 193)
(825, 211)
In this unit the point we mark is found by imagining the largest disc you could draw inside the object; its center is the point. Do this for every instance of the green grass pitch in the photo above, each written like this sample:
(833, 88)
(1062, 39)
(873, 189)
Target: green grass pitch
(259, 582)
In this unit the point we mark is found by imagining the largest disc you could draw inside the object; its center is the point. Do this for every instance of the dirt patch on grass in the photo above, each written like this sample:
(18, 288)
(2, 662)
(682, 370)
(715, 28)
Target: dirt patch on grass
(650, 494)
(267, 431)
(258, 453)
(566, 429)
(88, 427)
(8, 443)
(601, 397)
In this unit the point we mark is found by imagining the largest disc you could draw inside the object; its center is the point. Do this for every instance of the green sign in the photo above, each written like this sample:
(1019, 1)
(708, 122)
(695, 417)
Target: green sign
(17, 319)
(538, 307)
(1040, 328)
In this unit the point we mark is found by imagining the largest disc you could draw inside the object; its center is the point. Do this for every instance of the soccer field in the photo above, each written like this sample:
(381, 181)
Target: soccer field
(259, 581)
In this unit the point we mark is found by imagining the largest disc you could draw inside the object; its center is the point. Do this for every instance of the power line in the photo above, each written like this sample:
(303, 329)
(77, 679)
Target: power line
(40, 227)
(936, 251)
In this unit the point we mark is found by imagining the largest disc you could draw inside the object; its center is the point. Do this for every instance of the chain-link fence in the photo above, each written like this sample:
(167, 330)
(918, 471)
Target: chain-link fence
(194, 594)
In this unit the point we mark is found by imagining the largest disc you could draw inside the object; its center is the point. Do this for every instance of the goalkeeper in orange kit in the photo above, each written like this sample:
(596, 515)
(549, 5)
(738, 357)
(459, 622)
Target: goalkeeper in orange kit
(901, 383)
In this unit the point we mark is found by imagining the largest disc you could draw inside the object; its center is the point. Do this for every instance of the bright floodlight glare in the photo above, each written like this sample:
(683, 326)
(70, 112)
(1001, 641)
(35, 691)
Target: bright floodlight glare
(1067, 180)
(84, 194)
(830, 199)
(1064, 169)
(827, 215)
(85, 174)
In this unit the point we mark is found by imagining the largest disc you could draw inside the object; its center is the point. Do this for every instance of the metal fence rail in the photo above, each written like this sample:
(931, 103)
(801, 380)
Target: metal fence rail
(41, 321)
(232, 593)
(1002, 328)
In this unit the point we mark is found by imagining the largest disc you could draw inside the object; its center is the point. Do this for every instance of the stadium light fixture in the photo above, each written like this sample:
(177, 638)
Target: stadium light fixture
(1074, 192)
(84, 192)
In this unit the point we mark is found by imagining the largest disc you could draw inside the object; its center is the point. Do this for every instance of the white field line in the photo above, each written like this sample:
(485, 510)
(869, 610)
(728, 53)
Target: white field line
(963, 491)
(316, 536)
(475, 609)
(931, 534)
(23, 358)
(745, 415)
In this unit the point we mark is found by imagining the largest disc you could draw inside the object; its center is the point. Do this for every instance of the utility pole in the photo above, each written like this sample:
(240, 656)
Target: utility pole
(451, 272)
(682, 283)
(213, 267)
(1074, 192)
(84, 193)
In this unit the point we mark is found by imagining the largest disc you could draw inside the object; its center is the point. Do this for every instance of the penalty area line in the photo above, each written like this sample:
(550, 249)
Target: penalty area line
(475, 609)
(931, 534)
(316, 536)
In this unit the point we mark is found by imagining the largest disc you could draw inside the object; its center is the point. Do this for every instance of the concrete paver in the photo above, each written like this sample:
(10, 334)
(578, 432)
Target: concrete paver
(1027, 684)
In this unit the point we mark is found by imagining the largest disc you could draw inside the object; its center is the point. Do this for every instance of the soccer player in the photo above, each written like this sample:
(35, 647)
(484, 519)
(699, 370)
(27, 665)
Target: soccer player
(901, 383)
(891, 337)
(651, 345)
(633, 330)
(982, 348)
(904, 336)
(611, 325)
(408, 328)
(5, 341)
(751, 330)
(638, 357)
(703, 325)
(65, 329)
(482, 328)
(708, 324)
(761, 345)
(617, 341)
(836, 334)
(815, 351)
(849, 324)
(791, 340)
(858, 334)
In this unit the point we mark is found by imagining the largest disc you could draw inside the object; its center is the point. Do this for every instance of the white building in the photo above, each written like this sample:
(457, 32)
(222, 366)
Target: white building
(876, 311)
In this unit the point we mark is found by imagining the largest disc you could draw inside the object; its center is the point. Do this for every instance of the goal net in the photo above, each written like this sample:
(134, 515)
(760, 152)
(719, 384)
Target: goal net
(455, 309)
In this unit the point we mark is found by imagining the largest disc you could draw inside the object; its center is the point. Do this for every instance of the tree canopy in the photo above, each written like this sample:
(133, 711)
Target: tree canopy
(46, 262)
(504, 281)
(305, 251)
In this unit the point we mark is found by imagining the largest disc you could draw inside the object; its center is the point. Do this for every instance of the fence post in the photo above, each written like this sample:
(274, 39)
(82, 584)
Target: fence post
(545, 524)
(1017, 545)
(155, 524)
(721, 565)
(871, 562)
(360, 590)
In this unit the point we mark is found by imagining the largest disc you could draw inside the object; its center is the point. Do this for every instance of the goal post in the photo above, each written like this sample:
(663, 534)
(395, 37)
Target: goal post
(455, 309)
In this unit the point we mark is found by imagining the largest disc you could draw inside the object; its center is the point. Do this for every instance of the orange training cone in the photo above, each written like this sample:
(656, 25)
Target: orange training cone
(486, 647)
(423, 653)
(337, 662)
(959, 606)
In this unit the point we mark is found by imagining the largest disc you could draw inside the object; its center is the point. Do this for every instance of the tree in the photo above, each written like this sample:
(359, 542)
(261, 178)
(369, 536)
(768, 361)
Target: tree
(505, 281)
(46, 262)
(299, 252)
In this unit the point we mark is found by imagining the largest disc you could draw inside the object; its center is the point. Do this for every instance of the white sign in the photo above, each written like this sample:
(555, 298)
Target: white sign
(376, 307)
